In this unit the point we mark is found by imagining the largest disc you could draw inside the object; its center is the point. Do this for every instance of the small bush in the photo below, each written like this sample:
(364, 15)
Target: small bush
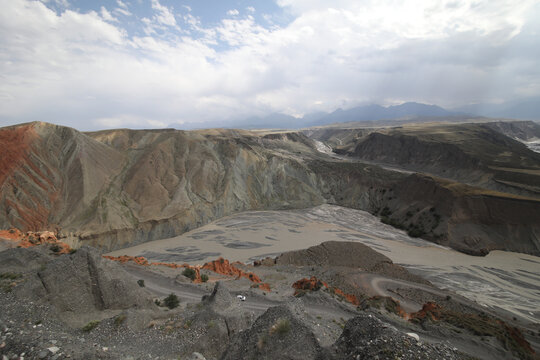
(90, 326)
(189, 273)
(119, 320)
(140, 282)
(263, 340)
(204, 278)
(55, 248)
(72, 251)
(10, 276)
(157, 302)
(281, 327)
(171, 301)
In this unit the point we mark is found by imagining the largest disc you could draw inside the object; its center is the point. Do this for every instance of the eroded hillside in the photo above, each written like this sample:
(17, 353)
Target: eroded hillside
(117, 188)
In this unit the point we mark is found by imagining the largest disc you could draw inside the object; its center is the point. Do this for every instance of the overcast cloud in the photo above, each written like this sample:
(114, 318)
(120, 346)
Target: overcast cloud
(90, 69)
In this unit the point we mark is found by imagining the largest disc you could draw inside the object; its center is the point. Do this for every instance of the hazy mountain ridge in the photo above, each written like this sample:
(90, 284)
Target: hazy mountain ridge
(376, 115)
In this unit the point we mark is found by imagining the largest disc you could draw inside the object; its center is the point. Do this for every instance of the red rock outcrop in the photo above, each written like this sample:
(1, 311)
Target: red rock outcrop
(311, 284)
(314, 284)
(219, 266)
(223, 267)
(31, 238)
(430, 310)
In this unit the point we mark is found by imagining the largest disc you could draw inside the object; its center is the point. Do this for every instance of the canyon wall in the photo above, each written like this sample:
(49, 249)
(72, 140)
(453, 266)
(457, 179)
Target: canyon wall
(116, 188)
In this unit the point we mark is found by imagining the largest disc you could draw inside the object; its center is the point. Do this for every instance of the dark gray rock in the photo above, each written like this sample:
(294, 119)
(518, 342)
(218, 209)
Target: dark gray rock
(366, 337)
(277, 334)
(83, 282)
(19, 260)
(220, 300)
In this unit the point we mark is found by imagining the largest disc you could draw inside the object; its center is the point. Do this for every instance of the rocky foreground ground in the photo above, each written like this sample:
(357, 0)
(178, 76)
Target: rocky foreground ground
(82, 306)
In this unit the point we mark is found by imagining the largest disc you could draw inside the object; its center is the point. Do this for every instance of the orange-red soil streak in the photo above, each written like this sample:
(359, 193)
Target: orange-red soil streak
(31, 238)
(314, 284)
(14, 143)
(222, 266)
(429, 310)
(219, 266)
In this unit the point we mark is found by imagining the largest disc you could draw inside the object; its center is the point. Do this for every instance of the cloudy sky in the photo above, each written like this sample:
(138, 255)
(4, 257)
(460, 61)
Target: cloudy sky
(155, 63)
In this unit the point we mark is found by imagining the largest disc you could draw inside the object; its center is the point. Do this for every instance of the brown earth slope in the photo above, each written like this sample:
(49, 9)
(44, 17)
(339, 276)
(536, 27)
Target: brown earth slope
(116, 188)
(480, 154)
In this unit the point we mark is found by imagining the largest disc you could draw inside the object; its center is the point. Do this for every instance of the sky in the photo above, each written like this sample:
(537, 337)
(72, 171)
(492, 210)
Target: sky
(172, 63)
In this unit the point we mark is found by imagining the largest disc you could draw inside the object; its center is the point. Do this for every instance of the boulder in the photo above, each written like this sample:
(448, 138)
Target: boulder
(85, 282)
(277, 334)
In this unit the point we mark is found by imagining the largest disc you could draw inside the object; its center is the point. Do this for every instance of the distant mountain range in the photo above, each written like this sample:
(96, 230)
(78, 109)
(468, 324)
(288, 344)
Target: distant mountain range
(524, 110)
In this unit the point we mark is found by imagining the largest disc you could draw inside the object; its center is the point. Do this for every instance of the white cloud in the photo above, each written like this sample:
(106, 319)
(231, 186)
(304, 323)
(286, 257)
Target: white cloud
(71, 65)
(233, 12)
(122, 12)
(163, 15)
(250, 9)
(106, 15)
(122, 4)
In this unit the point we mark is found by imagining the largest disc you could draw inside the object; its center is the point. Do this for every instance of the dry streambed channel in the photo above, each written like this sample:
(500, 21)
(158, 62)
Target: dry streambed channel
(500, 280)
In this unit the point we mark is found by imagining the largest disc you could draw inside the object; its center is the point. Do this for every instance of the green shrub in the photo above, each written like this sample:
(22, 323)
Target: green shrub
(171, 301)
(90, 326)
(55, 248)
(140, 282)
(189, 273)
(10, 276)
(204, 278)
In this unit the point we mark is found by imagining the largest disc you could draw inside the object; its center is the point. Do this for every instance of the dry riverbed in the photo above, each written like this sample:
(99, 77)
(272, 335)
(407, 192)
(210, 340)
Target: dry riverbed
(501, 280)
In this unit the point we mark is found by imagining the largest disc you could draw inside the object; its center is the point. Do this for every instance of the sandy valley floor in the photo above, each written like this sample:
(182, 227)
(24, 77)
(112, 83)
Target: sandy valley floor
(506, 280)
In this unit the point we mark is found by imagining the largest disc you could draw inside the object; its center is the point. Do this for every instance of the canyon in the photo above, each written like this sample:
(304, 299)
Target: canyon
(117, 188)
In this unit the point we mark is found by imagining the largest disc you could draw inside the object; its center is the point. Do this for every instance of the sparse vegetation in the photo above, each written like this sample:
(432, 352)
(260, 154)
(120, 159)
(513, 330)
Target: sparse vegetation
(90, 326)
(415, 232)
(171, 301)
(10, 276)
(204, 278)
(140, 282)
(189, 273)
(120, 319)
(7, 281)
(281, 327)
(386, 212)
(262, 341)
(55, 248)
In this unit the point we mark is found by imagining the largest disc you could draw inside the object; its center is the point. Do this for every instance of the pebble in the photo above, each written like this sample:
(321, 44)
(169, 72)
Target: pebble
(54, 349)
(43, 354)
(414, 336)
